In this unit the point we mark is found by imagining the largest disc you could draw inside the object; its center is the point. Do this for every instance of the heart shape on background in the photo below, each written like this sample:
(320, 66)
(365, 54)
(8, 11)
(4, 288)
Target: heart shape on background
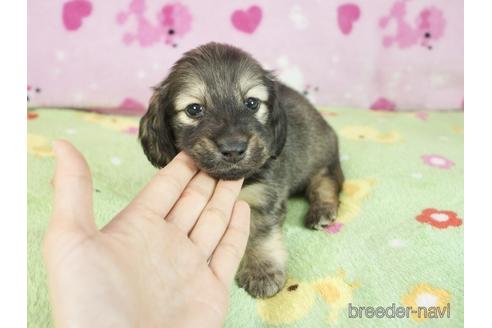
(74, 12)
(348, 14)
(247, 20)
(383, 104)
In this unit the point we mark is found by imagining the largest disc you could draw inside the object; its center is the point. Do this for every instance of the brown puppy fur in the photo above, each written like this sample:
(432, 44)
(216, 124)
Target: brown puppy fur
(236, 120)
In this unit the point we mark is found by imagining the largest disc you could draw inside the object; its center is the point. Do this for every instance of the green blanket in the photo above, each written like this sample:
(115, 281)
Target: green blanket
(398, 240)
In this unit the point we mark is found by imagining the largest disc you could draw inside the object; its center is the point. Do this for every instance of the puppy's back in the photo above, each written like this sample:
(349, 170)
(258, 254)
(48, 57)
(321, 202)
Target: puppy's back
(311, 142)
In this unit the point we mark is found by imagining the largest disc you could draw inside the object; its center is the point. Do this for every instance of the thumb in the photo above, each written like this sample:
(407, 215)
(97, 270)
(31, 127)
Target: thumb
(72, 189)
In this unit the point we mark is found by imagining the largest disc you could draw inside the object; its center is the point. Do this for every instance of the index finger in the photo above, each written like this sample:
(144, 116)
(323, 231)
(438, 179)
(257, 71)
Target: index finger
(160, 194)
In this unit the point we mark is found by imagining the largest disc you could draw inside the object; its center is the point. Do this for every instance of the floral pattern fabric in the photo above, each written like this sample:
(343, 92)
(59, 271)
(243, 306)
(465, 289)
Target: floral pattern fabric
(397, 239)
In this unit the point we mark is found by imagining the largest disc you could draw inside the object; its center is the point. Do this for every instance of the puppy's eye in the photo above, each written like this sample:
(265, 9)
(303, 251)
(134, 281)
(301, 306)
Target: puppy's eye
(252, 103)
(194, 110)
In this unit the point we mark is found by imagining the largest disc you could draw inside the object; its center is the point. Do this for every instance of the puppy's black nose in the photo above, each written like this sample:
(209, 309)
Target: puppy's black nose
(232, 149)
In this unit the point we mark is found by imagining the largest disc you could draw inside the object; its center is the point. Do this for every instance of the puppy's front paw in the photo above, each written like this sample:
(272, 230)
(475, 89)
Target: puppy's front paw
(261, 281)
(320, 216)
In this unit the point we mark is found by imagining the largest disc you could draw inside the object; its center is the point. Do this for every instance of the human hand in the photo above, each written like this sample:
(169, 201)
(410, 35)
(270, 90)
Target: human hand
(167, 259)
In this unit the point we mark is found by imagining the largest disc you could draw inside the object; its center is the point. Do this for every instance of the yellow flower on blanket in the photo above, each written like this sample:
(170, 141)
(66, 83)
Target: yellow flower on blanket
(296, 299)
(337, 293)
(112, 122)
(432, 301)
(458, 129)
(39, 145)
(353, 193)
(291, 304)
(366, 133)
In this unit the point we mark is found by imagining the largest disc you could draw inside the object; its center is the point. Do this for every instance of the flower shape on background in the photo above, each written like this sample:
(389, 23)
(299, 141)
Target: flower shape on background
(439, 219)
(425, 295)
(383, 104)
(437, 161)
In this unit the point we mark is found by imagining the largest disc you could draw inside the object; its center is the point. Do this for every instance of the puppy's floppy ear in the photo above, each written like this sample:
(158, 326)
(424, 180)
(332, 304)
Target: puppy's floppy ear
(155, 132)
(278, 120)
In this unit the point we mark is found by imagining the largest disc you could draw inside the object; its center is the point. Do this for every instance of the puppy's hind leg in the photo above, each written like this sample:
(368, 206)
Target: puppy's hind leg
(322, 193)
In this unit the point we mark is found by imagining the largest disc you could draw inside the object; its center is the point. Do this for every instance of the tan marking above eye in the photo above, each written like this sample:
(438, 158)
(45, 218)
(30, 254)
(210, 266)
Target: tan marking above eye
(194, 92)
(259, 91)
(247, 81)
(183, 100)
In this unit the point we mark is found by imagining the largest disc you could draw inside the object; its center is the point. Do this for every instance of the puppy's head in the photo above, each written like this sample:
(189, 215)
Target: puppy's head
(219, 106)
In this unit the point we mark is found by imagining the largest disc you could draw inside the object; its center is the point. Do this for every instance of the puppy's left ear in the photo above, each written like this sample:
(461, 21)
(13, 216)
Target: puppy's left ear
(155, 132)
(278, 120)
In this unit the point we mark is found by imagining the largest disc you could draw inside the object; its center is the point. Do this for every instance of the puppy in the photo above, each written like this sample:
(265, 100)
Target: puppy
(236, 120)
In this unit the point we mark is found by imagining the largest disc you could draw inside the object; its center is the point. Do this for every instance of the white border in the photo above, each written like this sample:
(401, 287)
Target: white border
(478, 164)
(13, 239)
(478, 140)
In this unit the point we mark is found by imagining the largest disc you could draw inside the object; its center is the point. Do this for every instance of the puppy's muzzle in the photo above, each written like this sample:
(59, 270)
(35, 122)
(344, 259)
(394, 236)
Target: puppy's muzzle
(232, 148)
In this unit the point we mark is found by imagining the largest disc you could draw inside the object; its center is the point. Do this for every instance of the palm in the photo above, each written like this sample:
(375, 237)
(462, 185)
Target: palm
(171, 281)
(141, 270)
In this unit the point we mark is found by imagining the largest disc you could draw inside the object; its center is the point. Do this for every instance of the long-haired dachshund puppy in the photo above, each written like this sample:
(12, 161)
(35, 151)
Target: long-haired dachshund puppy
(236, 120)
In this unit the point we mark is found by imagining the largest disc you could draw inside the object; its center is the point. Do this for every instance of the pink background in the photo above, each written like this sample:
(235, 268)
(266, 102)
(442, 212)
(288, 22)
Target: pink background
(107, 54)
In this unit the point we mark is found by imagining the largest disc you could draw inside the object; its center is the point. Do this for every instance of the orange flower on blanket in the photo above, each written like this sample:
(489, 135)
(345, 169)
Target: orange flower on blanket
(439, 219)
(32, 115)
